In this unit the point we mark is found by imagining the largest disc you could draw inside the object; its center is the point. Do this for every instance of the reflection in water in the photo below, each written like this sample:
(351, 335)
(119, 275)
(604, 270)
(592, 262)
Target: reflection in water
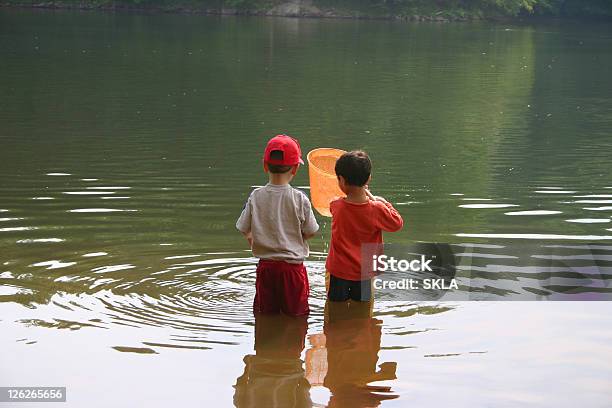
(343, 359)
(352, 339)
(274, 376)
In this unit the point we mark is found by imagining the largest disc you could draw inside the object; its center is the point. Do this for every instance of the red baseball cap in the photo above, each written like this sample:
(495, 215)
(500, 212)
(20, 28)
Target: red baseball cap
(289, 148)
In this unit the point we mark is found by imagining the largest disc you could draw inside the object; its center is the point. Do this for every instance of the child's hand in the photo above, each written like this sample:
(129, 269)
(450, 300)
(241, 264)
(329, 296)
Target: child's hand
(373, 197)
(379, 198)
(249, 238)
(308, 236)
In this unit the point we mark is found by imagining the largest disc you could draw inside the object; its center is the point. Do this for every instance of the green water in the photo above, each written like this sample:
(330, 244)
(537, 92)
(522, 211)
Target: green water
(129, 144)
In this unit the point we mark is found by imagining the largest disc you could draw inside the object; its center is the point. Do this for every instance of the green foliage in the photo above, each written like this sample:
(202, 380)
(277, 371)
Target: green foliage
(466, 8)
(601, 8)
(378, 8)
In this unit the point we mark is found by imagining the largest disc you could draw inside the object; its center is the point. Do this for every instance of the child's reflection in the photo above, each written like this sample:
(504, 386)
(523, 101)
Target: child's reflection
(274, 375)
(344, 357)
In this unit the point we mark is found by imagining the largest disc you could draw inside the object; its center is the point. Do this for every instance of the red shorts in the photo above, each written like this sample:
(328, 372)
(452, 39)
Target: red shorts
(281, 286)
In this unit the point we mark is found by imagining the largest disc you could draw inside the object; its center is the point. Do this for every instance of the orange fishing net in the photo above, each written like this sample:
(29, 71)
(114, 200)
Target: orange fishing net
(323, 181)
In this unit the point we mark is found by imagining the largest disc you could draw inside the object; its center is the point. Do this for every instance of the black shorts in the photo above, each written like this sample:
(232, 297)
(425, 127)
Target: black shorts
(343, 289)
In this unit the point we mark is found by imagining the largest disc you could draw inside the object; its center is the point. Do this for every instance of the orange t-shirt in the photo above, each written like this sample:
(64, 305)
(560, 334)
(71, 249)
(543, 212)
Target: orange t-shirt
(353, 225)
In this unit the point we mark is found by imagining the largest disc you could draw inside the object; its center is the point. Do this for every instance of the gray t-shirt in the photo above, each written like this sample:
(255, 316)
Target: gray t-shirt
(277, 216)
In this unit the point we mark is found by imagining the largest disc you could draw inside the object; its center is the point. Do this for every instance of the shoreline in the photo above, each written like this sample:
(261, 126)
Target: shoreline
(287, 10)
(291, 9)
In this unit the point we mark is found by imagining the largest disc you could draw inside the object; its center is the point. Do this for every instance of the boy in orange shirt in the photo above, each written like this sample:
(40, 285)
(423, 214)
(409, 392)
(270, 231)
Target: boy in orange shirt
(359, 218)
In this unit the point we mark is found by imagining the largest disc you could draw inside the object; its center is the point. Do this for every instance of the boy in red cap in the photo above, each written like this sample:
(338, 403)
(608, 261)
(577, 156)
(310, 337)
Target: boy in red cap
(359, 218)
(277, 220)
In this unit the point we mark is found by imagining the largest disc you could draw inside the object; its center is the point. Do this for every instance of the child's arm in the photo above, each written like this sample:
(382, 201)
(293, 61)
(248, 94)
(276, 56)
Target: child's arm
(244, 222)
(309, 225)
(389, 219)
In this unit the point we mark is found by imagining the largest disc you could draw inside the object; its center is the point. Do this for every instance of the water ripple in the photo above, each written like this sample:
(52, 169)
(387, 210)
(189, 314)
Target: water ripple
(99, 210)
(589, 220)
(534, 212)
(481, 206)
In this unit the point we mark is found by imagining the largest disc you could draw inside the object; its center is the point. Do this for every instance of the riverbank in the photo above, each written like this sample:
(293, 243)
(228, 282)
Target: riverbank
(304, 9)
(300, 8)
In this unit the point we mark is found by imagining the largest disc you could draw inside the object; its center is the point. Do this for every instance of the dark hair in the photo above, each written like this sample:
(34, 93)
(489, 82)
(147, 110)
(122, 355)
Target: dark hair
(355, 167)
(277, 168)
